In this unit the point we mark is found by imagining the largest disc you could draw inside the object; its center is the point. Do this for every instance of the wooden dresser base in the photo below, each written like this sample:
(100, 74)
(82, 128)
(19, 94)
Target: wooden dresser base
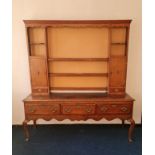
(78, 107)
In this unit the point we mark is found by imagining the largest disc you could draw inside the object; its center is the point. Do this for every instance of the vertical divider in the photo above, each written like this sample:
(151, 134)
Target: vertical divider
(126, 48)
(47, 63)
(109, 56)
(29, 52)
(28, 41)
(127, 41)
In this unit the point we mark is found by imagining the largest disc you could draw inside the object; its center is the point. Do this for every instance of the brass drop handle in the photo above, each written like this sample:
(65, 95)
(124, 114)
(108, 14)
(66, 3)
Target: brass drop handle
(124, 109)
(54, 109)
(31, 110)
(67, 110)
(103, 109)
(88, 110)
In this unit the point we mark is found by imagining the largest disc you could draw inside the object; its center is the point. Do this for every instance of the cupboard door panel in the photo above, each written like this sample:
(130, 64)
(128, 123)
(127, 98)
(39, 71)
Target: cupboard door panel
(118, 50)
(38, 50)
(117, 76)
(38, 70)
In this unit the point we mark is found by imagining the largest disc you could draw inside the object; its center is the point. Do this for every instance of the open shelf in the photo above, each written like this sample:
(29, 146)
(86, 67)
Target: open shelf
(37, 41)
(79, 62)
(79, 74)
(78, 82)
(36, 35)
(64, 42)
(78, 67)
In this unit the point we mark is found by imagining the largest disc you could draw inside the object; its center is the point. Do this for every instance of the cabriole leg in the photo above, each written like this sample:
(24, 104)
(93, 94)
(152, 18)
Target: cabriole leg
(26, 132)
(130, 133)
(35, 123)
(122, 123)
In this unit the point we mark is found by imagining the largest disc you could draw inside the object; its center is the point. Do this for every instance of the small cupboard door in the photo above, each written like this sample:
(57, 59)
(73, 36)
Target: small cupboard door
(39, 77)
(117, 78)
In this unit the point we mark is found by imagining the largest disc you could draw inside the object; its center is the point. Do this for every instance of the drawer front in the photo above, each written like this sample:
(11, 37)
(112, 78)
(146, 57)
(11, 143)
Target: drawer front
(78, 109)
(114, 108)
(42, 109)
(39, 90)
(117, 90)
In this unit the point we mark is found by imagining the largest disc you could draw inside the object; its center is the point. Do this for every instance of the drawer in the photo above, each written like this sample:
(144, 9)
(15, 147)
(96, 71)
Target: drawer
(42, 109)
(114, 108)
(40, 90)
(81, 109)
(116, 90)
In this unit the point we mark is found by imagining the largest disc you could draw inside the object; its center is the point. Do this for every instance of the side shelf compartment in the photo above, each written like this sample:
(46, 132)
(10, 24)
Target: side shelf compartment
(117, 77)
(39, 75)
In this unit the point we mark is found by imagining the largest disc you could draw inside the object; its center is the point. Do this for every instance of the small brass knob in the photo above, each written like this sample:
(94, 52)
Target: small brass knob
(54, 110)
(31, 110)
(67, 110)
(39, 90)
(116, 90)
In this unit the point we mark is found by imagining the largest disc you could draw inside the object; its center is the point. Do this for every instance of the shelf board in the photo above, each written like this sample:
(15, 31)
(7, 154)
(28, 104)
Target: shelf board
(80, 88)
(78, 59)
(79, 74)
(118, 56)
(118, 43)
(37, 43)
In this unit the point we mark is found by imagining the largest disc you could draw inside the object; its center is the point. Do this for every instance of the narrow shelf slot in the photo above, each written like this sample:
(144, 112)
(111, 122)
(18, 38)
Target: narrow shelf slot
(79, 74)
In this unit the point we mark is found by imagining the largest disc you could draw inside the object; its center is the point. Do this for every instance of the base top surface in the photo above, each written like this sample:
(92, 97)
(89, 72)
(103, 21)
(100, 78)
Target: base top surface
(77, 96)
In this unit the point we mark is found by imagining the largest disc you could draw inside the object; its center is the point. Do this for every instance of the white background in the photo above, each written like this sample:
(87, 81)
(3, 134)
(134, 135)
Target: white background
(148, 77)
